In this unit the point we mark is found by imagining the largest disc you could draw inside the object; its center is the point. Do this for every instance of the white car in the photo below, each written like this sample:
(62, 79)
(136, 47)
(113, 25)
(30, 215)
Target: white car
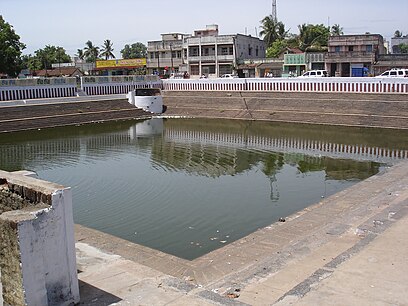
(394, 73)
(229, 76)
(314, 74)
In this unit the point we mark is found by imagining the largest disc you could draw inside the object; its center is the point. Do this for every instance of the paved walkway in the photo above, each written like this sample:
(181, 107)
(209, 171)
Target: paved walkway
(350, 249)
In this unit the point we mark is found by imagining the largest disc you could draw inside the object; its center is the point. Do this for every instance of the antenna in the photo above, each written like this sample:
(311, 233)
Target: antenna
(274, 12)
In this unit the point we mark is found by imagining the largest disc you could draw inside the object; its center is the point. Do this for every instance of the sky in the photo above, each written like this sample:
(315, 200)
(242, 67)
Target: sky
(70, 24)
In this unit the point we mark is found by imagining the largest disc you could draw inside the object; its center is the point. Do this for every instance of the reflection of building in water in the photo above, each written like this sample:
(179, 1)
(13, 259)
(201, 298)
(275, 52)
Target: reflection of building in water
(289, 145)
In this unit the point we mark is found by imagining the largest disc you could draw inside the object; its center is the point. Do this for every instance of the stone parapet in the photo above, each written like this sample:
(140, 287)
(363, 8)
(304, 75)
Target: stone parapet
(37, 262)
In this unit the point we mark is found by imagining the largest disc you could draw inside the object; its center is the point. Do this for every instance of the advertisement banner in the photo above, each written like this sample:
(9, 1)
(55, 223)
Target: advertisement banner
(121, 63)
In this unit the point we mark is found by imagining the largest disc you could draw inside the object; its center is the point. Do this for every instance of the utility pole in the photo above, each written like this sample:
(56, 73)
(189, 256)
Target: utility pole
(274, 12)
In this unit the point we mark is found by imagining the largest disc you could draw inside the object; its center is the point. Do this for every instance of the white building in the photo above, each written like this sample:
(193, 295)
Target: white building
(203, 53)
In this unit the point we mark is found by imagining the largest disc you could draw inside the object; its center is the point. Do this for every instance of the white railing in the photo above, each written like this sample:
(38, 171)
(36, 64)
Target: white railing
(350, 85)
(24, 89)
(118, 84)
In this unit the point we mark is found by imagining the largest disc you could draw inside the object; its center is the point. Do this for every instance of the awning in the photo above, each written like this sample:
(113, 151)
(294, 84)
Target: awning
(247, 66)
(278, 65)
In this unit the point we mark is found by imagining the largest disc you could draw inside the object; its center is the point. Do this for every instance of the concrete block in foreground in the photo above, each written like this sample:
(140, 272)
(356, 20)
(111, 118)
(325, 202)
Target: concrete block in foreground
(37, 247)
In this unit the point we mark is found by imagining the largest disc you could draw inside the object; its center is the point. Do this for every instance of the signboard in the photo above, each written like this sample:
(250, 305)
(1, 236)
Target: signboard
(121, 63)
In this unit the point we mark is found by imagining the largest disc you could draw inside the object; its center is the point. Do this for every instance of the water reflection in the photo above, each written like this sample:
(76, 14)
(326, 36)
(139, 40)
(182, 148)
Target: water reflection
(182, 186)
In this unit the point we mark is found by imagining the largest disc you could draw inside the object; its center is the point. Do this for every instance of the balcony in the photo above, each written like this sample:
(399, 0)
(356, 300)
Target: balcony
(211, 58)
(351, 56)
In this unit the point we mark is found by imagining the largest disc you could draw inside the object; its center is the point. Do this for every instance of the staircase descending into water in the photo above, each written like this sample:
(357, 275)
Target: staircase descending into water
(25, 117)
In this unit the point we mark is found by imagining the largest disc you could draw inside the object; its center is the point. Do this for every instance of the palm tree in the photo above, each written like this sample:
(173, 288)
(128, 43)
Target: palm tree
(80, 54)
(272, 30)
(336, 30)
(91, 52)
(107, 50)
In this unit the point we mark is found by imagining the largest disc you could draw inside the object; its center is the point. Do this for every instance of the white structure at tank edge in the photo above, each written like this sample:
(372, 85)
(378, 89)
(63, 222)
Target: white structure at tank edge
(148, 99)
(41, 269)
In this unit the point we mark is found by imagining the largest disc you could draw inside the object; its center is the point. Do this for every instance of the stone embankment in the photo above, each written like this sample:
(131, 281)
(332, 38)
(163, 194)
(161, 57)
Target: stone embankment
(25, 117)
(347, 109)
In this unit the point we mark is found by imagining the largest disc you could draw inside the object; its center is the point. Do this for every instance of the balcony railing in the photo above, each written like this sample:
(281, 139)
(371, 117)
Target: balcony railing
(344, 54)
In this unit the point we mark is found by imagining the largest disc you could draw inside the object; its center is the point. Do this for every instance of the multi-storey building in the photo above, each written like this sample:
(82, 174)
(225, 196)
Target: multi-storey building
(203, 53)
(396, 42)
(165, 56)
(351, 55)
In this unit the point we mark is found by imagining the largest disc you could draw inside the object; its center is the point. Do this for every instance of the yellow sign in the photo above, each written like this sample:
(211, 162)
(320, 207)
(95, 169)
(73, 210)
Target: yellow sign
(121, 63)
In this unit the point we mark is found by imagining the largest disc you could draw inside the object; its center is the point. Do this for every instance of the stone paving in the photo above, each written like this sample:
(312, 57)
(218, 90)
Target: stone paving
(347, 249)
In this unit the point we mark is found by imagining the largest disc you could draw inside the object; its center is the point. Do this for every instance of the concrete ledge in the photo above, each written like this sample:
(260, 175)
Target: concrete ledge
(37, 262)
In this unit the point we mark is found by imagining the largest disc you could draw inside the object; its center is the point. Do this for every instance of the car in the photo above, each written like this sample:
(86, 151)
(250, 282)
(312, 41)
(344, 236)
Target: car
(314, 74)
(394, 73)
(229, 76)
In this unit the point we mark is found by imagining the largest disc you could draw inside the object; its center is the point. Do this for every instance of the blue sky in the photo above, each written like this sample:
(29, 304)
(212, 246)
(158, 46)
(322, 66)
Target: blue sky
(71, 23)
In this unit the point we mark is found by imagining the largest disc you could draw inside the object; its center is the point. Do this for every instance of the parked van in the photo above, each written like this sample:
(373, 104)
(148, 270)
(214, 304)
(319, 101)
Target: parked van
(315, 74)
(394, 73)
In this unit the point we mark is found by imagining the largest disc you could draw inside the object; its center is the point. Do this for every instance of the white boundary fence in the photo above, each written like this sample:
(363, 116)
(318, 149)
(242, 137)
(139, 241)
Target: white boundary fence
(349, 85)
(108, 85)
(24, 89)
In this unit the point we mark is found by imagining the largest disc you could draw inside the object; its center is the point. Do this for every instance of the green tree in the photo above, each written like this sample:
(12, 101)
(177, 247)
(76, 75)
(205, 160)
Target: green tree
(277, 47)
(336, 30)
(107, 50)
(313, 36)
(397, 34)
(51, 55)
(272, 30)
(91, 52)
(136, 50)
(403, 48)
(10, 49)
(31, 62)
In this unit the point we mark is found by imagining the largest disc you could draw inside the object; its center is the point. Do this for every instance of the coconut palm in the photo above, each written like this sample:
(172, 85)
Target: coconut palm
(80, 54)
(272, 30)
(336, 30)
(91, 52)
(107, 50)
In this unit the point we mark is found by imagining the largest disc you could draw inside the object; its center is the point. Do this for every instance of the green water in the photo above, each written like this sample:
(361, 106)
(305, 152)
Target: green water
(187, 187)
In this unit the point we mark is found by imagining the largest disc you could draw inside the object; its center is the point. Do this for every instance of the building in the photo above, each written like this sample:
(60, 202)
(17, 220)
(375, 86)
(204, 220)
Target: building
(353, 55)
(203, 53)
(58, 72)
(165, 56)
(389, 61)
(211, 54)
(396, 42)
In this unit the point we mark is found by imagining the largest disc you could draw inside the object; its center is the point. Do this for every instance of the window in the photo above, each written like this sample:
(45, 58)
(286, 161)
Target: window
(151, 55)
(173, 54)
(231, 50)
(178, 54)
(224, 51)
(256, 51)
(194, 52)
(249, 49)
(351, 48)
(369, 48)
(312, 73)
(157, 54)
(393, 73)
